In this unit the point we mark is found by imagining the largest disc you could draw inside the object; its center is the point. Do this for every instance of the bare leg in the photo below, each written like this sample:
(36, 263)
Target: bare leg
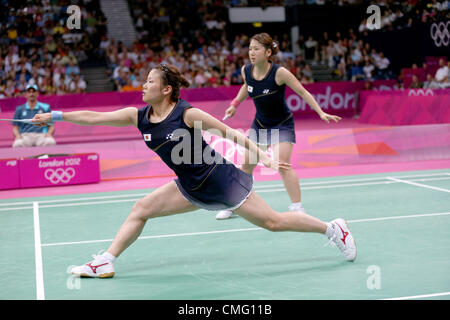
(249, 161)
(154, 205)
(258, 212)
(283, 151)
(290, 177)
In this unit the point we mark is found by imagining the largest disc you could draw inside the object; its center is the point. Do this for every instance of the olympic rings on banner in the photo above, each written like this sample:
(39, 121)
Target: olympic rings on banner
(440, 34)
(59, 175)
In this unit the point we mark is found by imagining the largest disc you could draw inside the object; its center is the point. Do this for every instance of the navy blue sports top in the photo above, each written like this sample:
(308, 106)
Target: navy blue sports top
(271, 107)
(171, 137)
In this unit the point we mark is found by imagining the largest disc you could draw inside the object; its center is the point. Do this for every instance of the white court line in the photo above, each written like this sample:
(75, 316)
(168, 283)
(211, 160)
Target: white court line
(240, 230)
(257, 188)
(40, 295)
(418, 184)
(16, 208)
(420, 296)
(135, 199)
(153, 237)
(78, 199)
(365, 179)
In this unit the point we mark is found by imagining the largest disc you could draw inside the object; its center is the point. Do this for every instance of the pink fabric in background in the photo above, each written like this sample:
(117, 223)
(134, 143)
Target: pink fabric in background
(334, 97)
(9, 174)
(405, 107)
(329, 93)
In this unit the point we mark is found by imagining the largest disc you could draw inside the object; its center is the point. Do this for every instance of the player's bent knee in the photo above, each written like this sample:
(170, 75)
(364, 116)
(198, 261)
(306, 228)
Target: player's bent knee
(272, 225)
(283, 171)
(139, 211)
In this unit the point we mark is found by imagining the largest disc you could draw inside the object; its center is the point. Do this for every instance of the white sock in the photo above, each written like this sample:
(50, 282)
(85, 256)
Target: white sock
(108, 256)
(297, 204)
(330, 230)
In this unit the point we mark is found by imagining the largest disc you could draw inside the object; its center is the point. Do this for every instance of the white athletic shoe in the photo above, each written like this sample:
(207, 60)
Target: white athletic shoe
(100, 267)
(224, 214)
(343, 239)
(296, 207)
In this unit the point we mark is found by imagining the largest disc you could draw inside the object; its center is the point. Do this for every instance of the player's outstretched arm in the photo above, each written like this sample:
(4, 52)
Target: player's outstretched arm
(119, 118)
(284, 76)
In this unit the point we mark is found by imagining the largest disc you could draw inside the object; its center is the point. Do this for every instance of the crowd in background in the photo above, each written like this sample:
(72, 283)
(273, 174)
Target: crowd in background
(199, 47)
(399, 14)
(36, 47)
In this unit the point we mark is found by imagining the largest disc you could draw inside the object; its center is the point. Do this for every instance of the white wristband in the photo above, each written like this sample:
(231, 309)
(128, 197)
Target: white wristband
(57, 115)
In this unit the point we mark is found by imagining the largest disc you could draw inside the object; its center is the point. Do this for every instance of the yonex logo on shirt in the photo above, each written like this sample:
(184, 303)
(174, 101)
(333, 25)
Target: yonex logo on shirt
(147, 137)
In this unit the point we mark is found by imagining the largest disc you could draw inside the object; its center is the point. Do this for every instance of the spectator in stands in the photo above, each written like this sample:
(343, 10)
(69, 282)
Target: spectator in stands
(77, 84)
(72, 69)
(383, 65)
(306, 80)
(200, 79)
(357, 72)
(10, 90)
(307, 72)
(29, 135)
(441, 75)
(415, 83)
(310, 48)
(120, 69)
(430, 83)
(47, 87)
(128, 86)
(368, 69)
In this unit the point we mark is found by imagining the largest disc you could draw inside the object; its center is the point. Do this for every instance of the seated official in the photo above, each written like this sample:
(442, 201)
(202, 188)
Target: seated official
(29, 135)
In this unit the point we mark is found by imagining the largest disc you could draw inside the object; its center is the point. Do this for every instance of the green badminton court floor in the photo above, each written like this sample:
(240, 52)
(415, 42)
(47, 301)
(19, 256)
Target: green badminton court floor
(400, 222)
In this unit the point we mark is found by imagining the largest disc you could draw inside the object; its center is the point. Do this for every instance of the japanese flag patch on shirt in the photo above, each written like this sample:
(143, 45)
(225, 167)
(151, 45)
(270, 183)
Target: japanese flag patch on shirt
(147, 137)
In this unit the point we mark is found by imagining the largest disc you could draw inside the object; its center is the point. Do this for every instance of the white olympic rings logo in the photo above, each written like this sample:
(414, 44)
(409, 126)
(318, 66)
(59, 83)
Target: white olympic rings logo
(420, 92)
(229, 149)
(59, 175)
(439, 33)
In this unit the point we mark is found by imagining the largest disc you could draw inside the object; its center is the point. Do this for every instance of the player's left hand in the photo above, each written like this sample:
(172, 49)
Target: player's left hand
(273, 164)
(328, 117)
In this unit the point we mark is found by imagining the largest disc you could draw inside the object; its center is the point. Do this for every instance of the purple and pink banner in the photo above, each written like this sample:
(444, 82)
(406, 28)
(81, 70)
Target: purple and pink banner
(338, 96)
(53, 171)
(9, 173)
(405, 107)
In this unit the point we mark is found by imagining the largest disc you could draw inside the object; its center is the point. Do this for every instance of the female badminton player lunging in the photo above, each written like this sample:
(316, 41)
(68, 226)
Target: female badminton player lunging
(166, 123)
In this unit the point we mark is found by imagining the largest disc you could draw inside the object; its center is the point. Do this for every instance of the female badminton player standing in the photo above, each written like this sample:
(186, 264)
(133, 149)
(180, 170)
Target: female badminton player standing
(265, 83)
(167, 125)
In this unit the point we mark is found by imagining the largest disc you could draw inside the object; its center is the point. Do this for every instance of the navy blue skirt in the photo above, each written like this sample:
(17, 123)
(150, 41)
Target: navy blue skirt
(225, 188)
(268, 135)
